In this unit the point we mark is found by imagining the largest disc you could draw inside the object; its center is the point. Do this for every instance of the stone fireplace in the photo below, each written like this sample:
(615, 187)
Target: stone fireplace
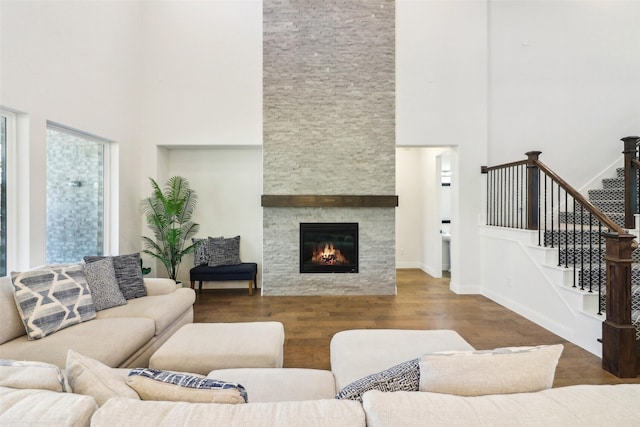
(328, 139)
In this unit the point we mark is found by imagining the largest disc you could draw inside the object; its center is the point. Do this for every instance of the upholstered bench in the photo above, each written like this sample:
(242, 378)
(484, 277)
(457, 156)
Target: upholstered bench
(202, 347)
(245, 271)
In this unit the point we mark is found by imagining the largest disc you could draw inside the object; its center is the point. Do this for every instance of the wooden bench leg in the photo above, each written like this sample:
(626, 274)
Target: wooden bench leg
(250, 288)
(192, 284)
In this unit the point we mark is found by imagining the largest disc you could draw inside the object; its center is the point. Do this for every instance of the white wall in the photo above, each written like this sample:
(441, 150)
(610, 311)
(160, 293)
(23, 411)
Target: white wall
(409, 213)
(203, 73)
(441, 97)
(564, 79)
(74, 63)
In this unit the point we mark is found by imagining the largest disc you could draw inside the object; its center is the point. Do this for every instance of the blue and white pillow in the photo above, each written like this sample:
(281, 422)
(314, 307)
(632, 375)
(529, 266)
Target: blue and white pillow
(201, 254)
(154, 384)
(51, 299)
(402, 377)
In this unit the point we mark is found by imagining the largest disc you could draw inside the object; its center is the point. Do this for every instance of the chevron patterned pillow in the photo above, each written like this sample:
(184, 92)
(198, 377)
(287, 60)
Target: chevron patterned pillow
(53, 298)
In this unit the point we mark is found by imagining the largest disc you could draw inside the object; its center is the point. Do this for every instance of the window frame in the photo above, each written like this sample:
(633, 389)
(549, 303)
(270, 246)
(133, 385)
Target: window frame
(108, 173)
(10, 187)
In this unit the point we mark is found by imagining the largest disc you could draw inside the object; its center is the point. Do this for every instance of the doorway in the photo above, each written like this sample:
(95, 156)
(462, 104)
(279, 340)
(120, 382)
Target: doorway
(424, 215)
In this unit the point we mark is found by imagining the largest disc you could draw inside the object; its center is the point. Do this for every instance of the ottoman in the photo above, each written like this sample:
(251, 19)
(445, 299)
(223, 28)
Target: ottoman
(358, 353)
(202, 347)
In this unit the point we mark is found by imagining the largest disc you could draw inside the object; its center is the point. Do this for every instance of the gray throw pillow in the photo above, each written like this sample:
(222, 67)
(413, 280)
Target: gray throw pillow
(224, 251)
(101, 278)
(128, 274)
(402, 377)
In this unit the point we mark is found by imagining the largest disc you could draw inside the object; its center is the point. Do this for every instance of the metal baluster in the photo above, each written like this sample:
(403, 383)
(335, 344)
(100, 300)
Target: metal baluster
(500, 202)
(551, 202)
(582, 244)
(566, 231)
(559, 226)
(574, 243)
(509, 196)
(591, 264)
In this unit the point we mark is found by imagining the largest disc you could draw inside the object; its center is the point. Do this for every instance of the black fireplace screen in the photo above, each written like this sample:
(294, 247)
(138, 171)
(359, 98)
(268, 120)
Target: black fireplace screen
(329, 247)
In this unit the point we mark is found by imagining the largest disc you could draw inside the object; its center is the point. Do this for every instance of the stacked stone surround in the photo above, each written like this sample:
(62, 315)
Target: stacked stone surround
(329, 128)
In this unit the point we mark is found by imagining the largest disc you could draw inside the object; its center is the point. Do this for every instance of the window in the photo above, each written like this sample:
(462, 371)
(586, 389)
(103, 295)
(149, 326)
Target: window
(77, 173)
(3, 192)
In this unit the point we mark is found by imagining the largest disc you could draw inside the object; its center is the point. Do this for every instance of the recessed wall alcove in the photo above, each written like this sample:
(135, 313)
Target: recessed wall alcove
(228, 182)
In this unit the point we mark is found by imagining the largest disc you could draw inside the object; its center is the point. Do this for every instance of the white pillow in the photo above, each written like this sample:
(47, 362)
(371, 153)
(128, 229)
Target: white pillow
(499, 371)
(93, 378)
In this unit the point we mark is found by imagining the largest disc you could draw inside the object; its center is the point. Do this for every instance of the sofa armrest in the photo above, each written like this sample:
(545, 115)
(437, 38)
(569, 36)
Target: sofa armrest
(159, 286)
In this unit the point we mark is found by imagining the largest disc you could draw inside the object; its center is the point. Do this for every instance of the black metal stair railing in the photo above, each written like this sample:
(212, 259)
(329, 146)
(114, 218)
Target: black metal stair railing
(527, 194)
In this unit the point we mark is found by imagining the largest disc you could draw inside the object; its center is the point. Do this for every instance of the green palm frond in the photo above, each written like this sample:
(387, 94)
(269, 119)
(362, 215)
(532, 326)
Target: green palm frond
(168, 213)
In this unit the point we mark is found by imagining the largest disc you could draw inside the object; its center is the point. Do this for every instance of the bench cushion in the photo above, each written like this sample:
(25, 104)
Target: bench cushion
(244, 271)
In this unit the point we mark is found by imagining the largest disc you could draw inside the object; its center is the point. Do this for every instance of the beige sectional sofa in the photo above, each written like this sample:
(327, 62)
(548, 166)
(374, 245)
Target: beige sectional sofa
(123, 336)
(285, 397)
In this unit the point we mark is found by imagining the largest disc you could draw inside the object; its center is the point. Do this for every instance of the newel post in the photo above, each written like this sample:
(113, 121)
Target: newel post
(630, 181)
(533, 190)
(618, 334)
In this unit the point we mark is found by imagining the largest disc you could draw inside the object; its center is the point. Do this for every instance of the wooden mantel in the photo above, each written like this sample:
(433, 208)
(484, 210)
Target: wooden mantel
(328, 201)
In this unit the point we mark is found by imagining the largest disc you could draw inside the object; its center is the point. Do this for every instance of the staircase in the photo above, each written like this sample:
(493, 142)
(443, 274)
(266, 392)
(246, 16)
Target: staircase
(585, 249)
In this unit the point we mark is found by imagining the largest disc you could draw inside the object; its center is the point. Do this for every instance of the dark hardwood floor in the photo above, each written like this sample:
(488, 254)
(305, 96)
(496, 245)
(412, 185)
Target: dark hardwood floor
(422, 302)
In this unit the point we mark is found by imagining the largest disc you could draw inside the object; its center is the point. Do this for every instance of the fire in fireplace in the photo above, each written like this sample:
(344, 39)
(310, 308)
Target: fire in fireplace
(328, 247)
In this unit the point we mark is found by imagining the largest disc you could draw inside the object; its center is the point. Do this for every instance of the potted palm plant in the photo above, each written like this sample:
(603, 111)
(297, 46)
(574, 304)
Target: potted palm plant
(168, 213)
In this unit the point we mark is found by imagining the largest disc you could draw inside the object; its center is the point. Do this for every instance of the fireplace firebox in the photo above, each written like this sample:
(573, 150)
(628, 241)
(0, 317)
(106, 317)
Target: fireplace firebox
(328, 247)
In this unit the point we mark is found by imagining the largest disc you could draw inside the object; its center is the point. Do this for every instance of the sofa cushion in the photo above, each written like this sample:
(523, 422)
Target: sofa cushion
(357, 353)
(311, 413)
(92, 378)
(280, 384)
(154, 384)
(224, 251)
(159, 286)
(101, 278)
(111, 341)
(51, 299)
(162, 309)
(582, 405)
(28, 374)
(11, 326)
(32, 407)
(503, 370)
(402, 377)
(128, 274)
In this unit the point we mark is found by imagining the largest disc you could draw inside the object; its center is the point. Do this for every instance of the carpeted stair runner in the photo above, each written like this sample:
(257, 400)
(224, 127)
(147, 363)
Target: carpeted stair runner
(585, 248)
